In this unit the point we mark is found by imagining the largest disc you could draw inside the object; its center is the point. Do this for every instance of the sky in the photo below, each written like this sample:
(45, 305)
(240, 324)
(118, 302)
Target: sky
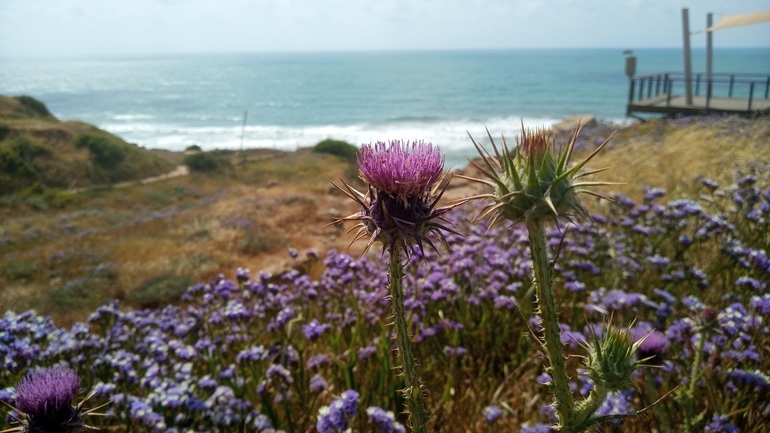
(95, 28)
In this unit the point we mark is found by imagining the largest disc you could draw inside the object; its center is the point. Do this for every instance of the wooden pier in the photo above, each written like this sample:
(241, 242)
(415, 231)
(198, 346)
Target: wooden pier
(664, 93)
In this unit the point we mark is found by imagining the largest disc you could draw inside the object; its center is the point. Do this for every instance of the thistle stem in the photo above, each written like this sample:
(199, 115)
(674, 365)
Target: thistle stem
(565, 403)
(413, 391)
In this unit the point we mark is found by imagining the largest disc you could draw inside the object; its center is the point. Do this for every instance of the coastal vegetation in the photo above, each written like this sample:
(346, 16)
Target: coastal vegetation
(37, 148)
(303, 341)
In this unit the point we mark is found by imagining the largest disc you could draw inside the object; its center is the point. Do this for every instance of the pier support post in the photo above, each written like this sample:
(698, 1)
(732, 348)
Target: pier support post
(687, 58)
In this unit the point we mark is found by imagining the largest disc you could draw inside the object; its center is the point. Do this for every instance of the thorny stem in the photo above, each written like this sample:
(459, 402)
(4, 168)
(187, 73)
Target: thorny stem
(413, 391)
(565, 403)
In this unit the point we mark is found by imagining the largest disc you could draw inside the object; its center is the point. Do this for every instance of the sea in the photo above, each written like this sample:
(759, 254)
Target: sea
(292, 100)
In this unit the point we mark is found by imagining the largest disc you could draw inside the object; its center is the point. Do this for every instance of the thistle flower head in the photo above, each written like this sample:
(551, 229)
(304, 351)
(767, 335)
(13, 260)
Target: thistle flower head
(400, 205)
(44, 400)
(610, 361)
(534, 181)
(401, 169)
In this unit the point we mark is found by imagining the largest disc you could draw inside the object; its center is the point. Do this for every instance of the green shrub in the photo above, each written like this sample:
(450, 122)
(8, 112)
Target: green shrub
(33, 105)
(105, 153)
(79, 293)
(336, 147)
(5, 131)
(194, 147)
(17, 162)
(23, 269)
(257, 243)
(205, 162)
(41, 198)
(160, 291)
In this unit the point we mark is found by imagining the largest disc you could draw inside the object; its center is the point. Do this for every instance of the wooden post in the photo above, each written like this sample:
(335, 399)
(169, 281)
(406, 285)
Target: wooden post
(687, 59)
(709, 56)
(697, 84)
(732, 81)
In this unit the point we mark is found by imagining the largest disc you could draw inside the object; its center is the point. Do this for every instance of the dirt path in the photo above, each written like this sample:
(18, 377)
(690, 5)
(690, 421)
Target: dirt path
(180, 170)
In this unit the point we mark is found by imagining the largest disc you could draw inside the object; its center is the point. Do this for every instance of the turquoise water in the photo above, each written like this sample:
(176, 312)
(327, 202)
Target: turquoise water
(297, 100)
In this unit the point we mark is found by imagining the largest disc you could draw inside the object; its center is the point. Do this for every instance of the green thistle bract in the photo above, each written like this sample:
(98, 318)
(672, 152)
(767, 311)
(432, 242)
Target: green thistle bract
(611, 358)
(534, 181)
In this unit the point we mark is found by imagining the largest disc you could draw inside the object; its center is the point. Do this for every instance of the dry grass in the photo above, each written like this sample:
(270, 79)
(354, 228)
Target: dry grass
(671, 155)
(197, 226)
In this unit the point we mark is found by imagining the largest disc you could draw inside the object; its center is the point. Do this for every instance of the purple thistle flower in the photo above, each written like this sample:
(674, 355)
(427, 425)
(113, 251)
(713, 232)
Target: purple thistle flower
(44, 398)
(401, 169)
(400, 206)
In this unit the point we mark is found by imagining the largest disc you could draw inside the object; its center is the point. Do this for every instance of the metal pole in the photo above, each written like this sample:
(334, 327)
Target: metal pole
(709, 54)
(687, 59)
(751, 94)
(243, 128)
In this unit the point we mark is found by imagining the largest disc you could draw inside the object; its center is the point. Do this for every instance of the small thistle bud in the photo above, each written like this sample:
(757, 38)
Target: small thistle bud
(708, 317)
(400, 206)
(534, 181)
(610, 360)
(44, 401)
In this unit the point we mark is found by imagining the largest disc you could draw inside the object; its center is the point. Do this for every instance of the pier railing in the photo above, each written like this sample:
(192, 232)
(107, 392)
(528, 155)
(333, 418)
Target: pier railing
(663, 86)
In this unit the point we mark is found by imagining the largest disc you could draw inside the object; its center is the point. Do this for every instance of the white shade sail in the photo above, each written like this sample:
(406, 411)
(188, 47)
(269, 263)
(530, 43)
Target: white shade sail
(740, 20)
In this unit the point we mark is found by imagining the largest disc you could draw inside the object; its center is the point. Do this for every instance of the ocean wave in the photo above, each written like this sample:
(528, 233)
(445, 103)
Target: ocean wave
(451, 136)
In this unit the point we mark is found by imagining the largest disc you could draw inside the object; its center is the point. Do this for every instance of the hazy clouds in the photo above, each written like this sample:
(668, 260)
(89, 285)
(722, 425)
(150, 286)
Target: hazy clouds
(65, 28)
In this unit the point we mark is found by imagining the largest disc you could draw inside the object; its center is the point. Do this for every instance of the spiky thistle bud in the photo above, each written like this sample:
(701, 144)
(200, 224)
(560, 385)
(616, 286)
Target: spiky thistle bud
(400, 206)
(611, 359)
(535, 180)
(44, 402)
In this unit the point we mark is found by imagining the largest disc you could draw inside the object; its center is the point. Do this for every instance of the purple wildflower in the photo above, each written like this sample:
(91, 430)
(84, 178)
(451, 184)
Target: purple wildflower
(334, 418)
(708, 183)
(720, 424)
(317, 384)
(242, 275)
(492, 413)
(652, 348)
(384, 420)
(538, 428)
(314, 329)
(44, 398)
(454, 351)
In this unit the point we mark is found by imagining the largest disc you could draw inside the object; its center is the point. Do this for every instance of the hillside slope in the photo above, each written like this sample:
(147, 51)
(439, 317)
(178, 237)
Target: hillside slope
(35, 147)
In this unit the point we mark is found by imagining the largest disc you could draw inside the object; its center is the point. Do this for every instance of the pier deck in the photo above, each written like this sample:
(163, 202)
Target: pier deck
(725, 93)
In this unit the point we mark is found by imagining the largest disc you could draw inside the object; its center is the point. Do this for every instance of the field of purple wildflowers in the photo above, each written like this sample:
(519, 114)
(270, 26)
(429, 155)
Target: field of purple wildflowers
(306, 352)
(261, 352)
